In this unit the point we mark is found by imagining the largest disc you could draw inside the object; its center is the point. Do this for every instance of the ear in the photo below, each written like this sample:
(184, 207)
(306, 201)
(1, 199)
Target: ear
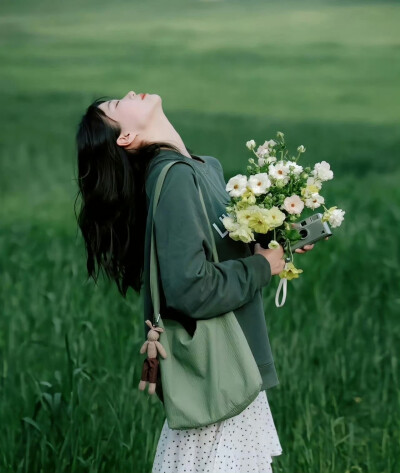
(125, 139)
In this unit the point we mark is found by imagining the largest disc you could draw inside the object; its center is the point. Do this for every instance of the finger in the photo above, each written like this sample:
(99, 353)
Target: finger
(299, 250)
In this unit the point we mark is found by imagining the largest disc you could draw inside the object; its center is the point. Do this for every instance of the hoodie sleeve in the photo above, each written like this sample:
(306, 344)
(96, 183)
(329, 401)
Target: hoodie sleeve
(192, 285)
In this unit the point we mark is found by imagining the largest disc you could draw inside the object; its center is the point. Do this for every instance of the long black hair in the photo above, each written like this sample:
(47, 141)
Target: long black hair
(111, 181)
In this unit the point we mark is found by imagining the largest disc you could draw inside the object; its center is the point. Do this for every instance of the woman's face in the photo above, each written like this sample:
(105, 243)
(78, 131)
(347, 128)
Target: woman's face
(134, 113)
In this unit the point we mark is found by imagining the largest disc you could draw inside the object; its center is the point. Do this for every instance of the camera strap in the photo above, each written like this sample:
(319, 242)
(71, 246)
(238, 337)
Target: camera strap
(282, 283)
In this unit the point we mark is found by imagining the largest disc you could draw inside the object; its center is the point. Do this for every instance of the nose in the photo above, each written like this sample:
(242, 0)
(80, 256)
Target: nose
(131, 94)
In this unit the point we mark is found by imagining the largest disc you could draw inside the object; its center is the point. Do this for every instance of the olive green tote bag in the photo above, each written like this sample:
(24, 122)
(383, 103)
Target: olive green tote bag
(207, 377)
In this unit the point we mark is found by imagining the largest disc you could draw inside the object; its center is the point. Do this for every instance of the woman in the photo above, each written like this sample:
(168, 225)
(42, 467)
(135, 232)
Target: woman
(122, 146)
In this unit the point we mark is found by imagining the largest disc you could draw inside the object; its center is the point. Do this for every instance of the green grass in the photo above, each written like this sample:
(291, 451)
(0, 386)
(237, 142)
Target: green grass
(326, 74)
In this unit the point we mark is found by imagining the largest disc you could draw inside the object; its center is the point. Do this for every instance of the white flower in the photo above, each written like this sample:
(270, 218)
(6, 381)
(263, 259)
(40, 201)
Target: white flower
(295, 168)
(301, 149)
(293, 204)
(314, 200)
(336, 217)
(280, 135)
(259, 183)
(322, 171)
(273, 244)
(262, 152)
(269, 143)
(268, 160)
(311, 181)
(265, 149)
(279, 171)
(230, 224)
(251, 144)
(236, 185)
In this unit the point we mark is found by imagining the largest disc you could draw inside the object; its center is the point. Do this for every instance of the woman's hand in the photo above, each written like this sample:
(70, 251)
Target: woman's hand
(274, 257)
(306, 248)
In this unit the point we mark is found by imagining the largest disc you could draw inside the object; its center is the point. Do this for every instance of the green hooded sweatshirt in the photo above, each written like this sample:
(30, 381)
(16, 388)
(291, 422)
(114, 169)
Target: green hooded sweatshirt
(192, 285)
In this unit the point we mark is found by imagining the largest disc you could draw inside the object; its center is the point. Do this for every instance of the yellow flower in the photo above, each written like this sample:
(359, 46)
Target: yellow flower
(248, 197)
(242, 204)
(258, 220)
(243, 214)
(242, 233)
(275, 217)
(310, 189)
(290, 272)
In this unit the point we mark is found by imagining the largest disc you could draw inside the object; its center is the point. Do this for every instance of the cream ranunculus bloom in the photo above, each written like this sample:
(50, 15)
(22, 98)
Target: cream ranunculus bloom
(293, 204)
(275, 217)
(242, 233)
(258, 219)
(309, 190)
(246, 199)
(230, 224)
(259, 183)
(243, 214)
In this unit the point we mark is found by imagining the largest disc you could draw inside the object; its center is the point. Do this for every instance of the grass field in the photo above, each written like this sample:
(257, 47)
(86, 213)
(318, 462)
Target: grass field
(325, 73)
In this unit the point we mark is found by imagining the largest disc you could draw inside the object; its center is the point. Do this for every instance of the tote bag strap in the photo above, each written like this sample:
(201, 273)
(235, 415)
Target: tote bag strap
(154, 283)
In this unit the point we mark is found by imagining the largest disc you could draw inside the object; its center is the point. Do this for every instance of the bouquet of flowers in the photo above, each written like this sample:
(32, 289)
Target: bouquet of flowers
(274, 195)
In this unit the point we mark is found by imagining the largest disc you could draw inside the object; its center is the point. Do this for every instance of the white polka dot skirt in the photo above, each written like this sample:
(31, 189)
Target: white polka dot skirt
(244, 443)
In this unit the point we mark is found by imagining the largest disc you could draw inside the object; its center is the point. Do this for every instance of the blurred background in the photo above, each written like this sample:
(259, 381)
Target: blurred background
(327, 75)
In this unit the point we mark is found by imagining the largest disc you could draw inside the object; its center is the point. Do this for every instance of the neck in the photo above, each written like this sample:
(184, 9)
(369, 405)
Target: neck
(161, 129)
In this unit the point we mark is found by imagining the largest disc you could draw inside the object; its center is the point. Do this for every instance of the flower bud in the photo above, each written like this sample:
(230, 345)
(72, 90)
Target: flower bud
(273, 244)
(251, 144)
